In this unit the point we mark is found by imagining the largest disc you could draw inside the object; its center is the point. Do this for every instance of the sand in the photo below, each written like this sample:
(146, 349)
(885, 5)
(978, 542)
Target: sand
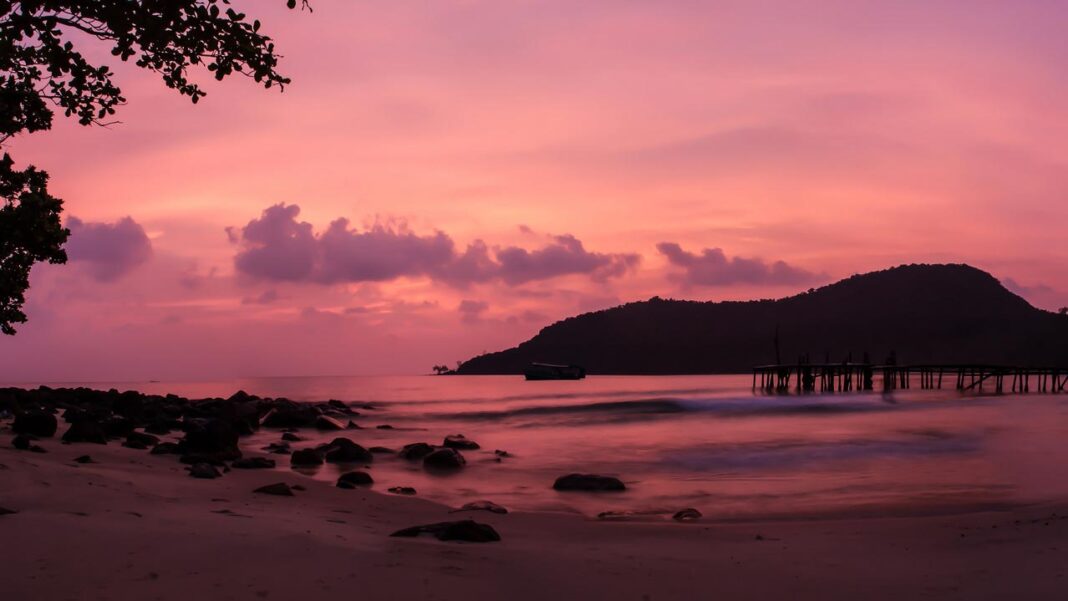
(135, 526)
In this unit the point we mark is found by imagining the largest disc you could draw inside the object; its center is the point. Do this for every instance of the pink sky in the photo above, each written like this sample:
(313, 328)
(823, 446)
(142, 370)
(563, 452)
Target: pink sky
(502, 165)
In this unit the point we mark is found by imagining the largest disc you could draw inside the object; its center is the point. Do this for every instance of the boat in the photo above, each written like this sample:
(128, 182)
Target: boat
(549, 371)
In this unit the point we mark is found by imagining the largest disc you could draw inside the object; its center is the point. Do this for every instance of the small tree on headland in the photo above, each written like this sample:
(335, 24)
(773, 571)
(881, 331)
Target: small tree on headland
(1063, 310)
(42, 70)
(441, 369)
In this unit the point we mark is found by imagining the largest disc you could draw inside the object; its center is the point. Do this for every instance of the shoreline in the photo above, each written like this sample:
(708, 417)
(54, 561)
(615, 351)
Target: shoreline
(135, 526)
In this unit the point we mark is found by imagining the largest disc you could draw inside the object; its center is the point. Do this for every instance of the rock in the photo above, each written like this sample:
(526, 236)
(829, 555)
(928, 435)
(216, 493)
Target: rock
(354, 479)
(137, 440)
(460, 442)
(502, 454)
(86, 431)
(444, 459)
(291, 437)
(588, 483)
(241, 397)
(339, 405)
(253, 463)
(35, 423)
(353, 426)
(402, 490)
(381, 450)
(482, 506)
(37, 449)
(21, 442)
(6, 511)
(83, 459)
(305, 457)
(327, 423)
(384, 427)
(167, 448)
(278, 448)
(211, 436)
(686, 515)
(117, 426)
(280, 489)
(298, 487)
(161, 426)
(204, 470)
(343, 450)
(464, 530)
(416, 451)
(208, 458)
(290, 415)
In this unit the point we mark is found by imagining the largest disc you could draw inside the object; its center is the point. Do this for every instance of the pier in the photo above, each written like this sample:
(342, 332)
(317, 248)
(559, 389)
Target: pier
(847, 376)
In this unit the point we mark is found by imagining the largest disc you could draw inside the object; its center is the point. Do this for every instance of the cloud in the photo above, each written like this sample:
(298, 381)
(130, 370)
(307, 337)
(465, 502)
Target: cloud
(108, 250)
(471, 311)
(713, 268)
(265, 298)
(277, 247)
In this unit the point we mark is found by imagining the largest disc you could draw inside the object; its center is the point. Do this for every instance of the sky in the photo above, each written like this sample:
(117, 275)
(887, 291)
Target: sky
(444, 179)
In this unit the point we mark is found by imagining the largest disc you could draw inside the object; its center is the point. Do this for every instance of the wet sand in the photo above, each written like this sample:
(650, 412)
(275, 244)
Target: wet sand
(135, 526)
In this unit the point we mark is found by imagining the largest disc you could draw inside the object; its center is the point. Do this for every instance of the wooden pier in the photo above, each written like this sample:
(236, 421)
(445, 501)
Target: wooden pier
(846, 376)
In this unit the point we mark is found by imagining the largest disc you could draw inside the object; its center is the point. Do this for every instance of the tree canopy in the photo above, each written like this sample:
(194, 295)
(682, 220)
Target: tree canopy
(43, 69)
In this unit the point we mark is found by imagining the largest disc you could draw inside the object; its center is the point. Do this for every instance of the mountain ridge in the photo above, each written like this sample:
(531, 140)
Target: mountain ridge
(923, 313)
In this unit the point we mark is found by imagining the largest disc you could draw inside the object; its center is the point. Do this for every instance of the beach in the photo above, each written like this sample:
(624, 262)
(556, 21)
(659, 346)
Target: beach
(134, 526)
(130, 524)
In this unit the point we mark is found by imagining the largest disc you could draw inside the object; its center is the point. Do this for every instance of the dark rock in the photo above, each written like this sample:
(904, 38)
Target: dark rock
(278, 448)
(208, 458)
(241, 397)
(416, 451)
(280, 489)
(588, 483)
(84, 459)
(615, 515)
(213, 436)
(291, 437)
(343, 450)
(167, 448)
(382, 450)
(339, 405)
(117, 426)
(37, 449)
(482, 506)
(354, 479)
(204, 470)
(352, 426)
(444, 459)
(35, 423)
(402, 490)
(21, 442)
(384, 427)
(464, 530)
(137, 440)
(304, 457)
(290, 415)
(460, 442)
(686, 515)
(86, 431)
(502, 454)
(6, 511)
(253, 463)
(298, 487)
(327, 423)
(162, 426)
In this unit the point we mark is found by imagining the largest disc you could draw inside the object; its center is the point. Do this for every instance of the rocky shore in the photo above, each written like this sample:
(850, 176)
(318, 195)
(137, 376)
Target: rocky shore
(120, 495)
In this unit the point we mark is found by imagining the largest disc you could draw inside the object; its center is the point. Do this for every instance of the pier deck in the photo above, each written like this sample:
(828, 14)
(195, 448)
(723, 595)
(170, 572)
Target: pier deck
(844, 377)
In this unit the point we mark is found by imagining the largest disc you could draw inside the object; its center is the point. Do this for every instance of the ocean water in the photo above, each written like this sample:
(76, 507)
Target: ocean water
(708, 442)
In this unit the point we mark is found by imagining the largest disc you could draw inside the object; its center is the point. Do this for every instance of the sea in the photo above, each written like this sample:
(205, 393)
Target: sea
(706, 442)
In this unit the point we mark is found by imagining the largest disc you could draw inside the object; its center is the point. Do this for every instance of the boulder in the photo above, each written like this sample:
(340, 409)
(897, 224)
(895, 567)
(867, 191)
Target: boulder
(138, 440)
(384, 427)
(253, 463)
(402, 490)
(460, 442)
(21, 442)
(280, 489)
(343, 450)
(291, 437)
(686, 515)
(489, 506)
(464, 530)
(278, 448)
(588, 483)
(306, 457)
(382, 450)
(354, 479)
(86, 431)
(444, 459)
(290, 415)
(167, 448)
(327, 423)
(83, 459)
(35, 423)
(211, 436)
(205, 471)
(416, 451)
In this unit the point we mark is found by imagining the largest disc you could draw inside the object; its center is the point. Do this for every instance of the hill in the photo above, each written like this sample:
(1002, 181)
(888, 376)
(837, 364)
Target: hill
(923, 313)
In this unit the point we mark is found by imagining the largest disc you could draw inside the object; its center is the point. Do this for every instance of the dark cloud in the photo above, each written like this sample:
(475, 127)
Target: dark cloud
(471, 311)
(108, 250)
(278, 247)
(713, 268)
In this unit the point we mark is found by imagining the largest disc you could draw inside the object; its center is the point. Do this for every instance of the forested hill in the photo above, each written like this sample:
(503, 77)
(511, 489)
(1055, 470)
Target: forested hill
(923, 313)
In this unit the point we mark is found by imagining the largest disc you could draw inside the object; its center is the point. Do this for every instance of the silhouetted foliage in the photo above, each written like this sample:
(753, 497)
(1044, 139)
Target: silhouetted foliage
(441, 369)
(926, 313)
(1063, 310)
(41, 70)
